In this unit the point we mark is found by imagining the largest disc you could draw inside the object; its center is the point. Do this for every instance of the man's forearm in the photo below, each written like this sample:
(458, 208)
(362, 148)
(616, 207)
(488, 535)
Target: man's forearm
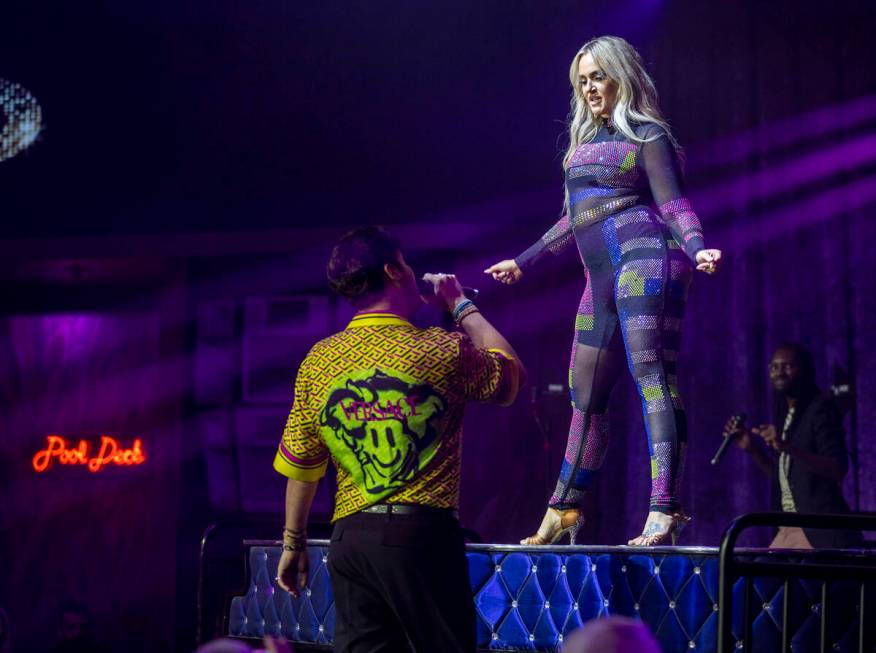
(485, 336)
(299, 498)
(292, 570)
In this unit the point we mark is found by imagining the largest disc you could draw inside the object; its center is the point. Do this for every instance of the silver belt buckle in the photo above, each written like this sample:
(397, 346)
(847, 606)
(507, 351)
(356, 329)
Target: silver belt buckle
(390, 508)
(404, 509)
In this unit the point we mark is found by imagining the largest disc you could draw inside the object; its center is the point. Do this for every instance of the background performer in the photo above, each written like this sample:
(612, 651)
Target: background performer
(621, 162)
(806, 457)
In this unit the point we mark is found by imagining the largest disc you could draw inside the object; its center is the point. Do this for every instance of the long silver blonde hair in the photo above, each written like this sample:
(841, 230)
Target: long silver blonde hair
(636, 94)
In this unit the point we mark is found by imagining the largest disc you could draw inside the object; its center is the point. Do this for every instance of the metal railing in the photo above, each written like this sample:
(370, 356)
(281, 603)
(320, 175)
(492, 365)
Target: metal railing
(856, 565)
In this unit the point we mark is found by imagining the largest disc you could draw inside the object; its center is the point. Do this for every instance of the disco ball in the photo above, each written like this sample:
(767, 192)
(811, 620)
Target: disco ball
(20, 117)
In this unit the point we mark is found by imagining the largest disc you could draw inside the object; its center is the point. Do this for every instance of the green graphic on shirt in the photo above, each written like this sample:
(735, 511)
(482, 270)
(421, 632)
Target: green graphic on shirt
(382, 427)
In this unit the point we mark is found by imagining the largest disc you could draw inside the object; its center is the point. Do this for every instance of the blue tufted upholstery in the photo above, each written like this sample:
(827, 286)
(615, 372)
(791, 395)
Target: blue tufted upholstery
(266, 609)
(530, 598)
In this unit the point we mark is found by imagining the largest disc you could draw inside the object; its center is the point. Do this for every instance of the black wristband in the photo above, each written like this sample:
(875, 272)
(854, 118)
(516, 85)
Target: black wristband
(296, 546)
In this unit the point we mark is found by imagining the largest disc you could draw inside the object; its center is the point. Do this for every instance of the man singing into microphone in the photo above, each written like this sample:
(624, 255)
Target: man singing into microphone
(384, 399)
(805, 454)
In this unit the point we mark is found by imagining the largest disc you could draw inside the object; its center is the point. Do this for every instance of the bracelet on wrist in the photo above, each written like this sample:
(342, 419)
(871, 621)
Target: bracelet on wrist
(461, 306)
(294, 539)
(464, 313)
(294, 547)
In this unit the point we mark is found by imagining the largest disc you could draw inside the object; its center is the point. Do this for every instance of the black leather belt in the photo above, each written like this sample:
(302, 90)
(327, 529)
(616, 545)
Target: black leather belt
(407, 509)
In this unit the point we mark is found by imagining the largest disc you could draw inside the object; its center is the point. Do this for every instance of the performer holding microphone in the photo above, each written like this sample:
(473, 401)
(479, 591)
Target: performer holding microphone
(384, 400)
(805, 451)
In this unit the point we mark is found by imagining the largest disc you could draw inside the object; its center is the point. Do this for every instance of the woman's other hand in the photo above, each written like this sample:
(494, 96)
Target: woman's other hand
(709, 260)
(505, 271)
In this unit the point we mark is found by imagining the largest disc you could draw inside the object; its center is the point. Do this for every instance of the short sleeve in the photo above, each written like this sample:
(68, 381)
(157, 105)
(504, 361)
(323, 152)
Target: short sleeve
(487, 375)
(302, 454)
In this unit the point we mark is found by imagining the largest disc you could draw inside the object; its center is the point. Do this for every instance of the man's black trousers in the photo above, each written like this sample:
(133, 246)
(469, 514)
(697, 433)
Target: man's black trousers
(400, 583)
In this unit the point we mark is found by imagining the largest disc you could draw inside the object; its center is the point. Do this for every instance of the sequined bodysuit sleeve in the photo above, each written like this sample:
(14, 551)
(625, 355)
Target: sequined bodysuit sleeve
(660, 163)
(553, 242)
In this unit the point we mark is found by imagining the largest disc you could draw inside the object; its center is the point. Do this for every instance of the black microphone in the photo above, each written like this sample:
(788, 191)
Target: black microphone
(740, 421)
(427, 289)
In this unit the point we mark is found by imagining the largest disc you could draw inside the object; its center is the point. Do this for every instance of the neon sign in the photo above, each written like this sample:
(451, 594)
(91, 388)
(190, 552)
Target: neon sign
(110, 453)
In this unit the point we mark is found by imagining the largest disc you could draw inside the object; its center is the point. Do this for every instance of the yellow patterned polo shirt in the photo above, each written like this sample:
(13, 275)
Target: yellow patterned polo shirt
(385, 400)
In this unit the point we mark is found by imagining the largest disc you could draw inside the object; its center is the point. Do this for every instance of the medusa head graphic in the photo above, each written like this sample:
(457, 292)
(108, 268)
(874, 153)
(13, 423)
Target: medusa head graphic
(381, 426)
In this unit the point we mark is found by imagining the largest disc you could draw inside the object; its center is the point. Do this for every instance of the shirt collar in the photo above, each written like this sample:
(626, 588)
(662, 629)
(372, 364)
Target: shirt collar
(377, 319)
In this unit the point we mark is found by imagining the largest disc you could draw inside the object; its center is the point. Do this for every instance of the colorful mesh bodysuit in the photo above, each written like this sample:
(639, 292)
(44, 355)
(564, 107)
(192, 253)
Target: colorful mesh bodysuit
(638, 269)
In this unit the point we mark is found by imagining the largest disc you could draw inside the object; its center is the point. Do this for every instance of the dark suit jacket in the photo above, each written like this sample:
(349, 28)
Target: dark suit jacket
(817, 427)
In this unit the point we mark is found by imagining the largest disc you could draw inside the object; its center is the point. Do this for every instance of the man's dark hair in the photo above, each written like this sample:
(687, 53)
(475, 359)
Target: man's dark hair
(355, 268)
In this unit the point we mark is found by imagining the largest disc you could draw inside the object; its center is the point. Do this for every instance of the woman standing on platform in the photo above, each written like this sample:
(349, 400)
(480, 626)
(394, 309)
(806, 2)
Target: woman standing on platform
(639, 239)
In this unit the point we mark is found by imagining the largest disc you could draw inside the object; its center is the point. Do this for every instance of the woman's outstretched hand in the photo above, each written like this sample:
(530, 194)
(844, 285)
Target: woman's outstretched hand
(505, 271)
(709, 260)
